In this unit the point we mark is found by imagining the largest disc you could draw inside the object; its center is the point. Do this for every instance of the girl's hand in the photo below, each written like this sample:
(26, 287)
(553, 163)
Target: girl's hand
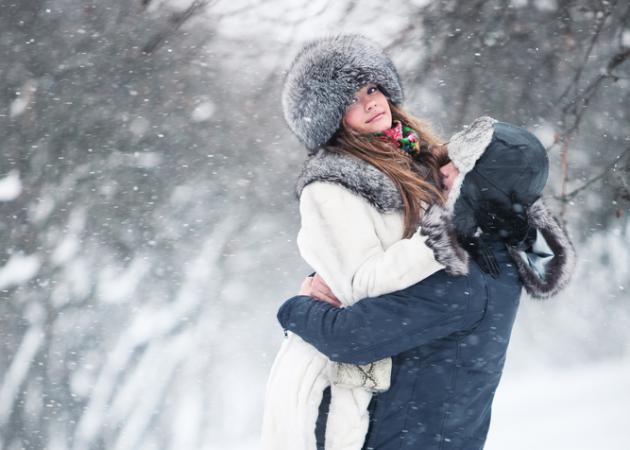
(317, 288)
(306, 287)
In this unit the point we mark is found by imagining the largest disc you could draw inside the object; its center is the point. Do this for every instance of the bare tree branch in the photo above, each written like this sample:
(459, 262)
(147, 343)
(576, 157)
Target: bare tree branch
(175, 22)
(578, 105)
(599, 26)
(569, 196)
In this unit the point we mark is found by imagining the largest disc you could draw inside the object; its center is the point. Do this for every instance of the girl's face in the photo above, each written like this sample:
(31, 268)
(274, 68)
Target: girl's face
(369, 111)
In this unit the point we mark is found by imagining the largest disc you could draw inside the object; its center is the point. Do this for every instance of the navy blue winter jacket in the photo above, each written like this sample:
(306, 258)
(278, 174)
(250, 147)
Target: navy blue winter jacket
(447, 337)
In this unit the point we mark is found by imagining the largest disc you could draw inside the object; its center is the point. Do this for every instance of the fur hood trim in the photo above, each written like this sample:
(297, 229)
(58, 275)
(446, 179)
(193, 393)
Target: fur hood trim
(354, 174)
(558, 271)
(465, 148)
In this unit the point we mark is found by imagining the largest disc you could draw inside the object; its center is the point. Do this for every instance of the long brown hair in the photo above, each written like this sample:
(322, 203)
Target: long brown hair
(415, 185)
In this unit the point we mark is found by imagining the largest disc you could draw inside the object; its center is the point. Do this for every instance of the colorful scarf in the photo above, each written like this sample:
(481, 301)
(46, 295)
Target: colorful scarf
(404, 137)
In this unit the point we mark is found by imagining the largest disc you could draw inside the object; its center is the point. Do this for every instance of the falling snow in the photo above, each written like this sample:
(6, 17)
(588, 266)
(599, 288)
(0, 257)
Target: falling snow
(149, 214)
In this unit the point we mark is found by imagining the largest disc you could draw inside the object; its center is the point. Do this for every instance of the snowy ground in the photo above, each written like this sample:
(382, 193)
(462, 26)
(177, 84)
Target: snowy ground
(585, 408)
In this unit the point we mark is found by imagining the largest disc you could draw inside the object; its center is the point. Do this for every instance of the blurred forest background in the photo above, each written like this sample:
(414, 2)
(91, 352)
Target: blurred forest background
(149, 216)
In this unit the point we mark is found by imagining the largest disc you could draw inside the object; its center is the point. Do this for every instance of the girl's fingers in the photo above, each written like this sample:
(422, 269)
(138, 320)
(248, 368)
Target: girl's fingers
(320, 285)
(325, 297)
(317, 288)
(307, 287)
(332, 301)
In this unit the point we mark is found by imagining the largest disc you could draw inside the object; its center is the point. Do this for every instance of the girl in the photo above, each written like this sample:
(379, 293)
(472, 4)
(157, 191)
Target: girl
(371, 174)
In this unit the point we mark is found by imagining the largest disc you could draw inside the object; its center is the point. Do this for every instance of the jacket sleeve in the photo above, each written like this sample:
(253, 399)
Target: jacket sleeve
(338, 240)
(375, 328)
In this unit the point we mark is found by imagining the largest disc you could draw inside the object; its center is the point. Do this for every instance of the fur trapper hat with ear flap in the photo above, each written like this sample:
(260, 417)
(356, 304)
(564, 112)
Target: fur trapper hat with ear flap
(323, 79)
(498, 163)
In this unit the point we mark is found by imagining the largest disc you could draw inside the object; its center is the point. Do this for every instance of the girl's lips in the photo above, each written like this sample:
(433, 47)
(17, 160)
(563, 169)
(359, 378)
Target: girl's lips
(376, 117)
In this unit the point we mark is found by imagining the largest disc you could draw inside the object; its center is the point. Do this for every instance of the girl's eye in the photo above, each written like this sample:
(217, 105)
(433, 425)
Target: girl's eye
(372, 89)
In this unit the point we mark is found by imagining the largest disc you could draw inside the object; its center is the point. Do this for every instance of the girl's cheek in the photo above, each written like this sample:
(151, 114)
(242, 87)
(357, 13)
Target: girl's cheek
(352, 117)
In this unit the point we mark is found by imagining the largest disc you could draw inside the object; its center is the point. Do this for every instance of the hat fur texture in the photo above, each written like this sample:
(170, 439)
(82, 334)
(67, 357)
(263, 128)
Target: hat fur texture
(323, 79)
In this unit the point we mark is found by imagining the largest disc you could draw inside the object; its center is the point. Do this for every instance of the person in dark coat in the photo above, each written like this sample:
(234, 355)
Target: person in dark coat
(448, 335)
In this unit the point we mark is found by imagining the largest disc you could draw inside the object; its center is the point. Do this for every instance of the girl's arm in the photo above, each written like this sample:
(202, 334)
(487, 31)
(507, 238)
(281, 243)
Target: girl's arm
(338, 240)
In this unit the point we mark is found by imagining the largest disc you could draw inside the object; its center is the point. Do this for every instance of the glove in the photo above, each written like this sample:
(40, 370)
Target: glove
(507, 221)
(482, 253)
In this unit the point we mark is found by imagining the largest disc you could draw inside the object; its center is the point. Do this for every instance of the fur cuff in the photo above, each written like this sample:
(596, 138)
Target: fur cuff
(437, 225)
(465, 148)
(559, 270)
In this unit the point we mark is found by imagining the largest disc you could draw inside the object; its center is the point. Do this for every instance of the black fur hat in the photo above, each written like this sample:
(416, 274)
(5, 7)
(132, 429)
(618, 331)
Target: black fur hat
(323, 79)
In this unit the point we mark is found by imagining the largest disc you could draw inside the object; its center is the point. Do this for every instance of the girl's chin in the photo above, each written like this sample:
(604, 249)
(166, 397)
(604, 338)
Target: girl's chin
(381, 125)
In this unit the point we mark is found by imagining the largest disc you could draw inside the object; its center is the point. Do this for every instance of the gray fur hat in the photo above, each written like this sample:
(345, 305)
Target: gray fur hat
(323, 79)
